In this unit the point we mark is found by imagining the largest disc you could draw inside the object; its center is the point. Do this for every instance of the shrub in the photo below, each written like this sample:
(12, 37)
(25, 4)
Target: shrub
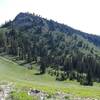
(22, 96)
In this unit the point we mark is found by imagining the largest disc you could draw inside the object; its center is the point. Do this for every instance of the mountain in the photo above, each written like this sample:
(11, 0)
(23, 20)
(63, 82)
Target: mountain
(27, 20)
(57, 48)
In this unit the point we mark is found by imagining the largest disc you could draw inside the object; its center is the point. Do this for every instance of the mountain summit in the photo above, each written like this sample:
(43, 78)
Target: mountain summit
(53, 45)
(27, 21)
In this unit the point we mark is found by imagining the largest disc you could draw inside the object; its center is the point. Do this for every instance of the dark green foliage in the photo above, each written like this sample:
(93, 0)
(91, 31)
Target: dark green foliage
(52, 45)
(86, 80)
(72, 76)
(61, 76)
(42, 66)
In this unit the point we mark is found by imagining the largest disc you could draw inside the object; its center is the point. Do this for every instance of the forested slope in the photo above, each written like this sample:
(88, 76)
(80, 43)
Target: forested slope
(65, 52)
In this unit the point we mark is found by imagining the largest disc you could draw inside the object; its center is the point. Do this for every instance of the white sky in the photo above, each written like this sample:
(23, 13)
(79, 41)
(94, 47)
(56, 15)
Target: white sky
(79, 14)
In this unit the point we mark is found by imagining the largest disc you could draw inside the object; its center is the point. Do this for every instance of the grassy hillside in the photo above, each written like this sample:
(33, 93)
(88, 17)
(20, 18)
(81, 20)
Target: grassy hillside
(71, 57)
(52, 45)
(24, 78)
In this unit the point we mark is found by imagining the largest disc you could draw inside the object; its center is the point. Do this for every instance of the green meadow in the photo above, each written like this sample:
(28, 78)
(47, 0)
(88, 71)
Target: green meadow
(24, 79)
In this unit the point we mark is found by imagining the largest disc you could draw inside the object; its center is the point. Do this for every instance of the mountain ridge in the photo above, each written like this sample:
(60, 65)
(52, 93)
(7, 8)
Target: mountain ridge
(52, 26)
(61, 50)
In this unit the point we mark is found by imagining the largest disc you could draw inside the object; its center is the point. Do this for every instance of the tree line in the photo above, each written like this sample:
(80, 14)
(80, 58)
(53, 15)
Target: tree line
(65, 56)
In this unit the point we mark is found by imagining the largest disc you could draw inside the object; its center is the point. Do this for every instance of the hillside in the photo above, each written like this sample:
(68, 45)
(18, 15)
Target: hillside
(37, 54)
(24, 79)
(58, 49)
(27, 21)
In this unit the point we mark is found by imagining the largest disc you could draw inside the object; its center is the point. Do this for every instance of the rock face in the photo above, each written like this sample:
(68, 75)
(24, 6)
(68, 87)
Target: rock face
(23, 20)
(28, 21)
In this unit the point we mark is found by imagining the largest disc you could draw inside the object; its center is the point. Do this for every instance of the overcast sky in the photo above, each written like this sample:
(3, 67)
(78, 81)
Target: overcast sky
(79, 14)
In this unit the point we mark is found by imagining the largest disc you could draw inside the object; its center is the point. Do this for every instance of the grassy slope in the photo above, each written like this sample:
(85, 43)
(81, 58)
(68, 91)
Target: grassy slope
(24, 78)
